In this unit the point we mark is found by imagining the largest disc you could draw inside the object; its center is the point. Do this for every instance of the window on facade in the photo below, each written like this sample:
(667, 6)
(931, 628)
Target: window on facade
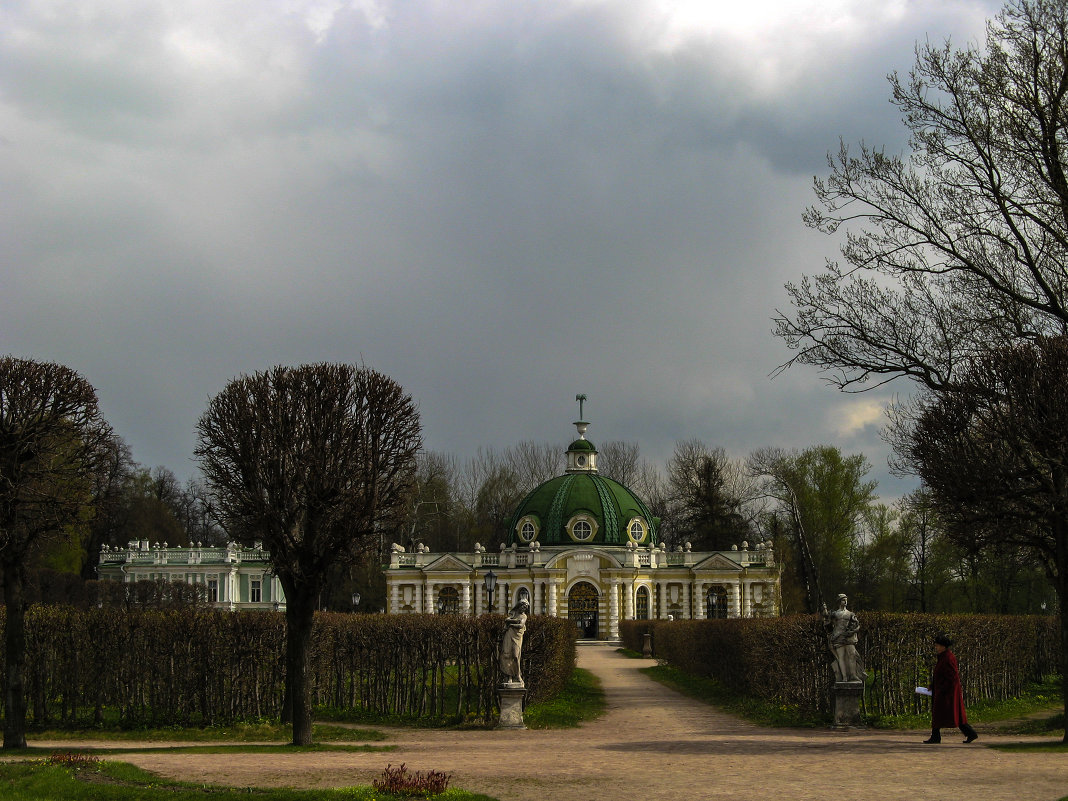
(641, 611)
(254, 591)
(528, 531)
(636, 530)
(448, 601)
(213, 590)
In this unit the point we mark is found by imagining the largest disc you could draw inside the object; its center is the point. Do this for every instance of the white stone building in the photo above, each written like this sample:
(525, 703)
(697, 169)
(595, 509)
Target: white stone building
(233, 576)
(585, 547)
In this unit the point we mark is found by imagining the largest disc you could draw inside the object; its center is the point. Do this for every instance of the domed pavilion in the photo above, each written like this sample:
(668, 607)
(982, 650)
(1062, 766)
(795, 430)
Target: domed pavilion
(585, 547)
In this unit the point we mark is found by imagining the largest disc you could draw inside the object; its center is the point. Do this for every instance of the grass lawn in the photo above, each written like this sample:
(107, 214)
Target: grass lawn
(1038, 711)
(116, 781)
(581, 699)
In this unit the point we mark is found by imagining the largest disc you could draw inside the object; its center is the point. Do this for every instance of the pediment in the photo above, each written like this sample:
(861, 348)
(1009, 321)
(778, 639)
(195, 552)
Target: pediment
(718, 561)
(447, 563)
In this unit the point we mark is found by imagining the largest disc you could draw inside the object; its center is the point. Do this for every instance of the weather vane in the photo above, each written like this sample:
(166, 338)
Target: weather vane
(581, 399)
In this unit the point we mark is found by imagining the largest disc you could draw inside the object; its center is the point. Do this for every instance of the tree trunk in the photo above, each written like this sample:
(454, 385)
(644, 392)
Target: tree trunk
(300, 611)
(14, 658)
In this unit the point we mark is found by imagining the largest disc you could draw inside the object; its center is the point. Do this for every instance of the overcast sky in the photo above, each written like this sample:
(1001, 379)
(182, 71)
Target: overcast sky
(500, 203)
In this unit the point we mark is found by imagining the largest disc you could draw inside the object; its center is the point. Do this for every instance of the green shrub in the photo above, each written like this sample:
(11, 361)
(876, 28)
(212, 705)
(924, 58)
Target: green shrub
(160, 667)
(785, 660)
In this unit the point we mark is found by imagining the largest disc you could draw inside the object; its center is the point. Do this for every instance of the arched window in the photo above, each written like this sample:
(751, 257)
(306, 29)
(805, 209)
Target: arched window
(641, 604)
(637, 530)
(582, 528)
(527, 528)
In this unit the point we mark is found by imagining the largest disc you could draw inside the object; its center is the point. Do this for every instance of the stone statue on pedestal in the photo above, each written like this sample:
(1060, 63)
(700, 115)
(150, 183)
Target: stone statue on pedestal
(512, 643)
(842, 627)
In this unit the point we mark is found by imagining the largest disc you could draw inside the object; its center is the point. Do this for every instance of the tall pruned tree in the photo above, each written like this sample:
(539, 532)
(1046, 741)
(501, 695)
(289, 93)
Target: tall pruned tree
(312, 460)
(52, 438)
(996, 458)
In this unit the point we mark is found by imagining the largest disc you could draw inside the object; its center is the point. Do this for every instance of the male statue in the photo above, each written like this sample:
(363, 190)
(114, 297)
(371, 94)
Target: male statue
(842, 627)
(512, 642)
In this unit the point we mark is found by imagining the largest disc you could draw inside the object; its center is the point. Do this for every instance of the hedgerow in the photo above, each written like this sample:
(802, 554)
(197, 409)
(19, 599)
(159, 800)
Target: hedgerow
(188, 666)
(785, 660)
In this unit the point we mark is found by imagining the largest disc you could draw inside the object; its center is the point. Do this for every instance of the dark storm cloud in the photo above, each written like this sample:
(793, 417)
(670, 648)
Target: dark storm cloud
(499, 203)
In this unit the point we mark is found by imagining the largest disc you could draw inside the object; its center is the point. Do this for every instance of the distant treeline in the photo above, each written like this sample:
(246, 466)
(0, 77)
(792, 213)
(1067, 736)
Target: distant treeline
(208, 667)
(786, 660)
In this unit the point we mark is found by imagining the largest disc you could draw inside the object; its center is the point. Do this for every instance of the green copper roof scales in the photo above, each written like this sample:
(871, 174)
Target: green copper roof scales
(581, 507)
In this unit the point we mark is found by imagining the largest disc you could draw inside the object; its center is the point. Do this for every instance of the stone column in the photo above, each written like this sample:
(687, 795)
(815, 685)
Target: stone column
(537, 610)
(417, 597)
(465, 598)
(231, 587)
(628, 600)
(431, 597)
(394, 598)
(478, 598)
(734, 599)
(553, 593)
(747, 598)
(686, 615)
(699, 602)
(613, 609)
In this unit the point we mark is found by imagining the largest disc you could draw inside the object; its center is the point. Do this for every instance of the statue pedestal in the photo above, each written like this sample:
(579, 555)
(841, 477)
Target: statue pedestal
(847, 695)
(647, 645)
(511, 694)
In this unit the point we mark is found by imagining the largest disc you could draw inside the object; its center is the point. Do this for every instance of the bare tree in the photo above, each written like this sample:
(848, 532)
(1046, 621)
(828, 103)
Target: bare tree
(960, 247)
(312, 460)
(52, 438)
(619, 461)
(533, 463)
(110, 510)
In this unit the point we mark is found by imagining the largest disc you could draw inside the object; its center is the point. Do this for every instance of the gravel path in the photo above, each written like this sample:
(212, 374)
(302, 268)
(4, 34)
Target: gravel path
(656, 745)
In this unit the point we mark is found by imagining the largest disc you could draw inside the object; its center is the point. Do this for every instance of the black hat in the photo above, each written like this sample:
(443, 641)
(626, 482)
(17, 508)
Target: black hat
(943, 640)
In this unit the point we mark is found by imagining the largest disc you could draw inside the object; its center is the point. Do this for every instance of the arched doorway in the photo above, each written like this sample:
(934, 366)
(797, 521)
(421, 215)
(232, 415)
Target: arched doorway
(641, 603)
(716, 603)
(448, 601)
(582, 604)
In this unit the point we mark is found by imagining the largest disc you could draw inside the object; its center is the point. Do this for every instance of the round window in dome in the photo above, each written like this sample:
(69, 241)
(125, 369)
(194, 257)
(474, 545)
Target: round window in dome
(637, 530)
(582, 528)
(527, 528)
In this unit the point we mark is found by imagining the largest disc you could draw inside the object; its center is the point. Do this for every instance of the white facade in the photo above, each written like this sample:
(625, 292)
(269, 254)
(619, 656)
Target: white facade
(233, 576)
(596, 586)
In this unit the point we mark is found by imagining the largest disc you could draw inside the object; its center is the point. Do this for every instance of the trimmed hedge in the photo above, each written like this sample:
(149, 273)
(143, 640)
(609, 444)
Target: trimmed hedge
(786, 661)
(211, 667)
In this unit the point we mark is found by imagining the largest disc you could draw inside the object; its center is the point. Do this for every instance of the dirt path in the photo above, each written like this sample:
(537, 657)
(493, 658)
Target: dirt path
(656, 745)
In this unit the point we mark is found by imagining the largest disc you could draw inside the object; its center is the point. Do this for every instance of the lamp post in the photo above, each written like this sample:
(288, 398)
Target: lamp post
(355, 601)
(490, 580)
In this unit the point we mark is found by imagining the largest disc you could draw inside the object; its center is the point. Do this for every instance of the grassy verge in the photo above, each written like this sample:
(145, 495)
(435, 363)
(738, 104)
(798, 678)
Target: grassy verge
(240, 733)
(712, 692)
(1037, 711)
(581, 699)
(117, 781)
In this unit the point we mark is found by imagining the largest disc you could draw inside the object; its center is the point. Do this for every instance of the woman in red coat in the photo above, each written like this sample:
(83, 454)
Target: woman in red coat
(947, 696)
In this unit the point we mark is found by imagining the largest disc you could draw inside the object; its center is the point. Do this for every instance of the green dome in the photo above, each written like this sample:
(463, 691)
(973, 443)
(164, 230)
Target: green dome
(581, 445)
(582, 508)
